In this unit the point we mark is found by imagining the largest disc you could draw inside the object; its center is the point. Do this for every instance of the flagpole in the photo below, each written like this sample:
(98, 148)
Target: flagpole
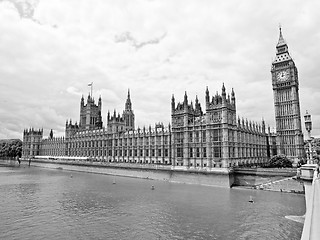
(90, 84)
(91, 88)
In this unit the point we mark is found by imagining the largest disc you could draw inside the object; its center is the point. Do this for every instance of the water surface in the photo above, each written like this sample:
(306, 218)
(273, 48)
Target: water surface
(37, 203)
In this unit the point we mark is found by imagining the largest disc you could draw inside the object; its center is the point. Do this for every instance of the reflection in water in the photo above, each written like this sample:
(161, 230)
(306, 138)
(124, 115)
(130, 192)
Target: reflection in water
(48, 204)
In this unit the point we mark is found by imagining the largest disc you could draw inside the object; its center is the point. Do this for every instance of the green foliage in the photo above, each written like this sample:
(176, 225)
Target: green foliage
(279, 161)
(11, 148)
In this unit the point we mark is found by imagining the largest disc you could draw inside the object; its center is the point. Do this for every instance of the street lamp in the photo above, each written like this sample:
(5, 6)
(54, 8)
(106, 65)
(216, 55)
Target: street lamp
(308, 125)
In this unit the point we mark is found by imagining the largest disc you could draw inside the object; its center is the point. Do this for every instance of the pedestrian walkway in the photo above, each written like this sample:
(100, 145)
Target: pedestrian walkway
(284, 185)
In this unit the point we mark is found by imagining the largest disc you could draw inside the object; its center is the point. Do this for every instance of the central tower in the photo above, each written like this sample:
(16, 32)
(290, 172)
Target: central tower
(90, 114)
(285, 86)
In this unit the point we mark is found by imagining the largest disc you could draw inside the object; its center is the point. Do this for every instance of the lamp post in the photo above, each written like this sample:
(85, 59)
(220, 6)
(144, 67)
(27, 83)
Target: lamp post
(308, 176)
(308, 125)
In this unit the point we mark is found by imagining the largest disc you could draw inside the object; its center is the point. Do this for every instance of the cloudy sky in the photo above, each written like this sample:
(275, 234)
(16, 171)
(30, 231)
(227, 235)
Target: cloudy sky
(51, 50)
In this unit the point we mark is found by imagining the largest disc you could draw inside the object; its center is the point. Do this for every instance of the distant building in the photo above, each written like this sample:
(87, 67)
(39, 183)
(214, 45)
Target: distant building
(32, 142)
(198, 138)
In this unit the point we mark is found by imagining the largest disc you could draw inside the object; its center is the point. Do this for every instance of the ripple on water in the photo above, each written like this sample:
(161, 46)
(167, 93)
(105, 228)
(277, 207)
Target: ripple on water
(43, 204)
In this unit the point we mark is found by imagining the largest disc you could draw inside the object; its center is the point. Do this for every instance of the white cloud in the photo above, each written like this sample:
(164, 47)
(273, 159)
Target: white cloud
(182, 46)
(127, 36)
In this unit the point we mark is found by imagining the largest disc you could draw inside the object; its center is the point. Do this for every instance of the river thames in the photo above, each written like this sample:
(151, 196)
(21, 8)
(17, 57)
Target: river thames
(38, 203)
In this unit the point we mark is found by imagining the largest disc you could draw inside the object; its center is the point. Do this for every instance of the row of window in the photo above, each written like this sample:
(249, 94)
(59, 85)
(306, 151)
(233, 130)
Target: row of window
(52, 152)
(215, 137)
(124, 153)
(217, 152)
(121, 142)
(192, 152)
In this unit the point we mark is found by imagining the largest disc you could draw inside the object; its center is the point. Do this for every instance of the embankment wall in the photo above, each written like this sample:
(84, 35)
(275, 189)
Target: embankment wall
(220, 178)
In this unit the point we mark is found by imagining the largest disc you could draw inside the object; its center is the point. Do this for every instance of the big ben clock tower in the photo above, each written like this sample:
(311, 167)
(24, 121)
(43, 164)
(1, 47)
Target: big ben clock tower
(285, 86)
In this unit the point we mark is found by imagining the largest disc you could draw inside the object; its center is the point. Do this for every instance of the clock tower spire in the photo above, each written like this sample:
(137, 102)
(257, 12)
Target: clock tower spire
(285, 86)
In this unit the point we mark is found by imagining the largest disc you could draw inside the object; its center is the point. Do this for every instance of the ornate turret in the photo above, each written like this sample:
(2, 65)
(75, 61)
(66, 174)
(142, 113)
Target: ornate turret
(128, 114)
(223, 94)
(233, 97)
(128, 102)
(207, 96)
(185, 100)
(100, 103)
(197, 106)
(172, 103)
(263, 126)
(82, 102)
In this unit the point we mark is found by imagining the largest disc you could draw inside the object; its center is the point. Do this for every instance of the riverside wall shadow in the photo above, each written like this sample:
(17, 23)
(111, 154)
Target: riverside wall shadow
(220, 178)
(249, 177)
(257, 176)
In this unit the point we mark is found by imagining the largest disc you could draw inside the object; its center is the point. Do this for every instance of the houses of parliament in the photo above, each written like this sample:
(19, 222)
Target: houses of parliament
(200, 137)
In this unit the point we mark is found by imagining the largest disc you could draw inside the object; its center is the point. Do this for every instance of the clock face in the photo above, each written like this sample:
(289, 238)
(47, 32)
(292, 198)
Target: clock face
(283, 75)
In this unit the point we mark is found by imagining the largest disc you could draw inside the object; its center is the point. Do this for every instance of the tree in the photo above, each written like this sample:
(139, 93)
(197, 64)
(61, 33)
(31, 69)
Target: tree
(279, 161)
(11, 148)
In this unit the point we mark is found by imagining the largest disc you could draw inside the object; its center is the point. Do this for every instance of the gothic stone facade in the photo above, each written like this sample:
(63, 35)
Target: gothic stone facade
(31, 144)
(195, 139)
(286, 101)
(215, 138)
(206, 139)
